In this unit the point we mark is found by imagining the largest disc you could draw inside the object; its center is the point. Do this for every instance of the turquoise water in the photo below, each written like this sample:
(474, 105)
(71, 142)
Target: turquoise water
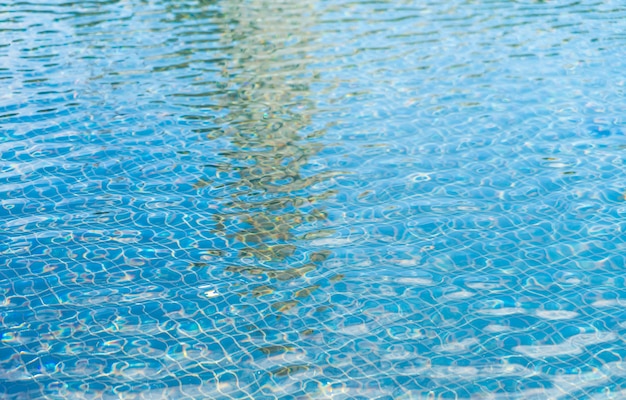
(315, 199)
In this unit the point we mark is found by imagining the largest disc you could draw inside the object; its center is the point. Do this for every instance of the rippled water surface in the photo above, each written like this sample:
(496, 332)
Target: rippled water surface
(312, 199)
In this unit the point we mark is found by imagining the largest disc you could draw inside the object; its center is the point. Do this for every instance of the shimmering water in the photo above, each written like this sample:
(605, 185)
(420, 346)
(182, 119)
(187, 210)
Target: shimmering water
(312, 199)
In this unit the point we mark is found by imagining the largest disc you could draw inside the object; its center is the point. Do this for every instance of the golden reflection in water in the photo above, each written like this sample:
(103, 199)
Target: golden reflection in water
(268, 125)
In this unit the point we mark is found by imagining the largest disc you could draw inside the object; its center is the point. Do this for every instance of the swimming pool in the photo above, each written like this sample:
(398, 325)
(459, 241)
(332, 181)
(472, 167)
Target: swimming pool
(326, 199)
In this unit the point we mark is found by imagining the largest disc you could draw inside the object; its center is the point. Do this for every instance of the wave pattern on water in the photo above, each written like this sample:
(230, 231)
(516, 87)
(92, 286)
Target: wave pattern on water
(327, 199)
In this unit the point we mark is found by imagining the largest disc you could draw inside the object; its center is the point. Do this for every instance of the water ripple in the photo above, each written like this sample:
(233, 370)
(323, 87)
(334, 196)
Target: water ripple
(338, 198)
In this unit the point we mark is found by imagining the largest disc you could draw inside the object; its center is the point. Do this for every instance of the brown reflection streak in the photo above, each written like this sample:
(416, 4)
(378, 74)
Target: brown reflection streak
(269, 105)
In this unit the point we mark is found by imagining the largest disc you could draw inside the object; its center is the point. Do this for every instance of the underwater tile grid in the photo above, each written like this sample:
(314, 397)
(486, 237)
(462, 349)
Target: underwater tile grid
(346, 199)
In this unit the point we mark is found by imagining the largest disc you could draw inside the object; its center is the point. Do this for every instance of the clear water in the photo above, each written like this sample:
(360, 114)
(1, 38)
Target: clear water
(312, 199)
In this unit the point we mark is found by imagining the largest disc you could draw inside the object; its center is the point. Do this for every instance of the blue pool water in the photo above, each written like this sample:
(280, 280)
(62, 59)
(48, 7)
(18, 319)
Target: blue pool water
(312, 199)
